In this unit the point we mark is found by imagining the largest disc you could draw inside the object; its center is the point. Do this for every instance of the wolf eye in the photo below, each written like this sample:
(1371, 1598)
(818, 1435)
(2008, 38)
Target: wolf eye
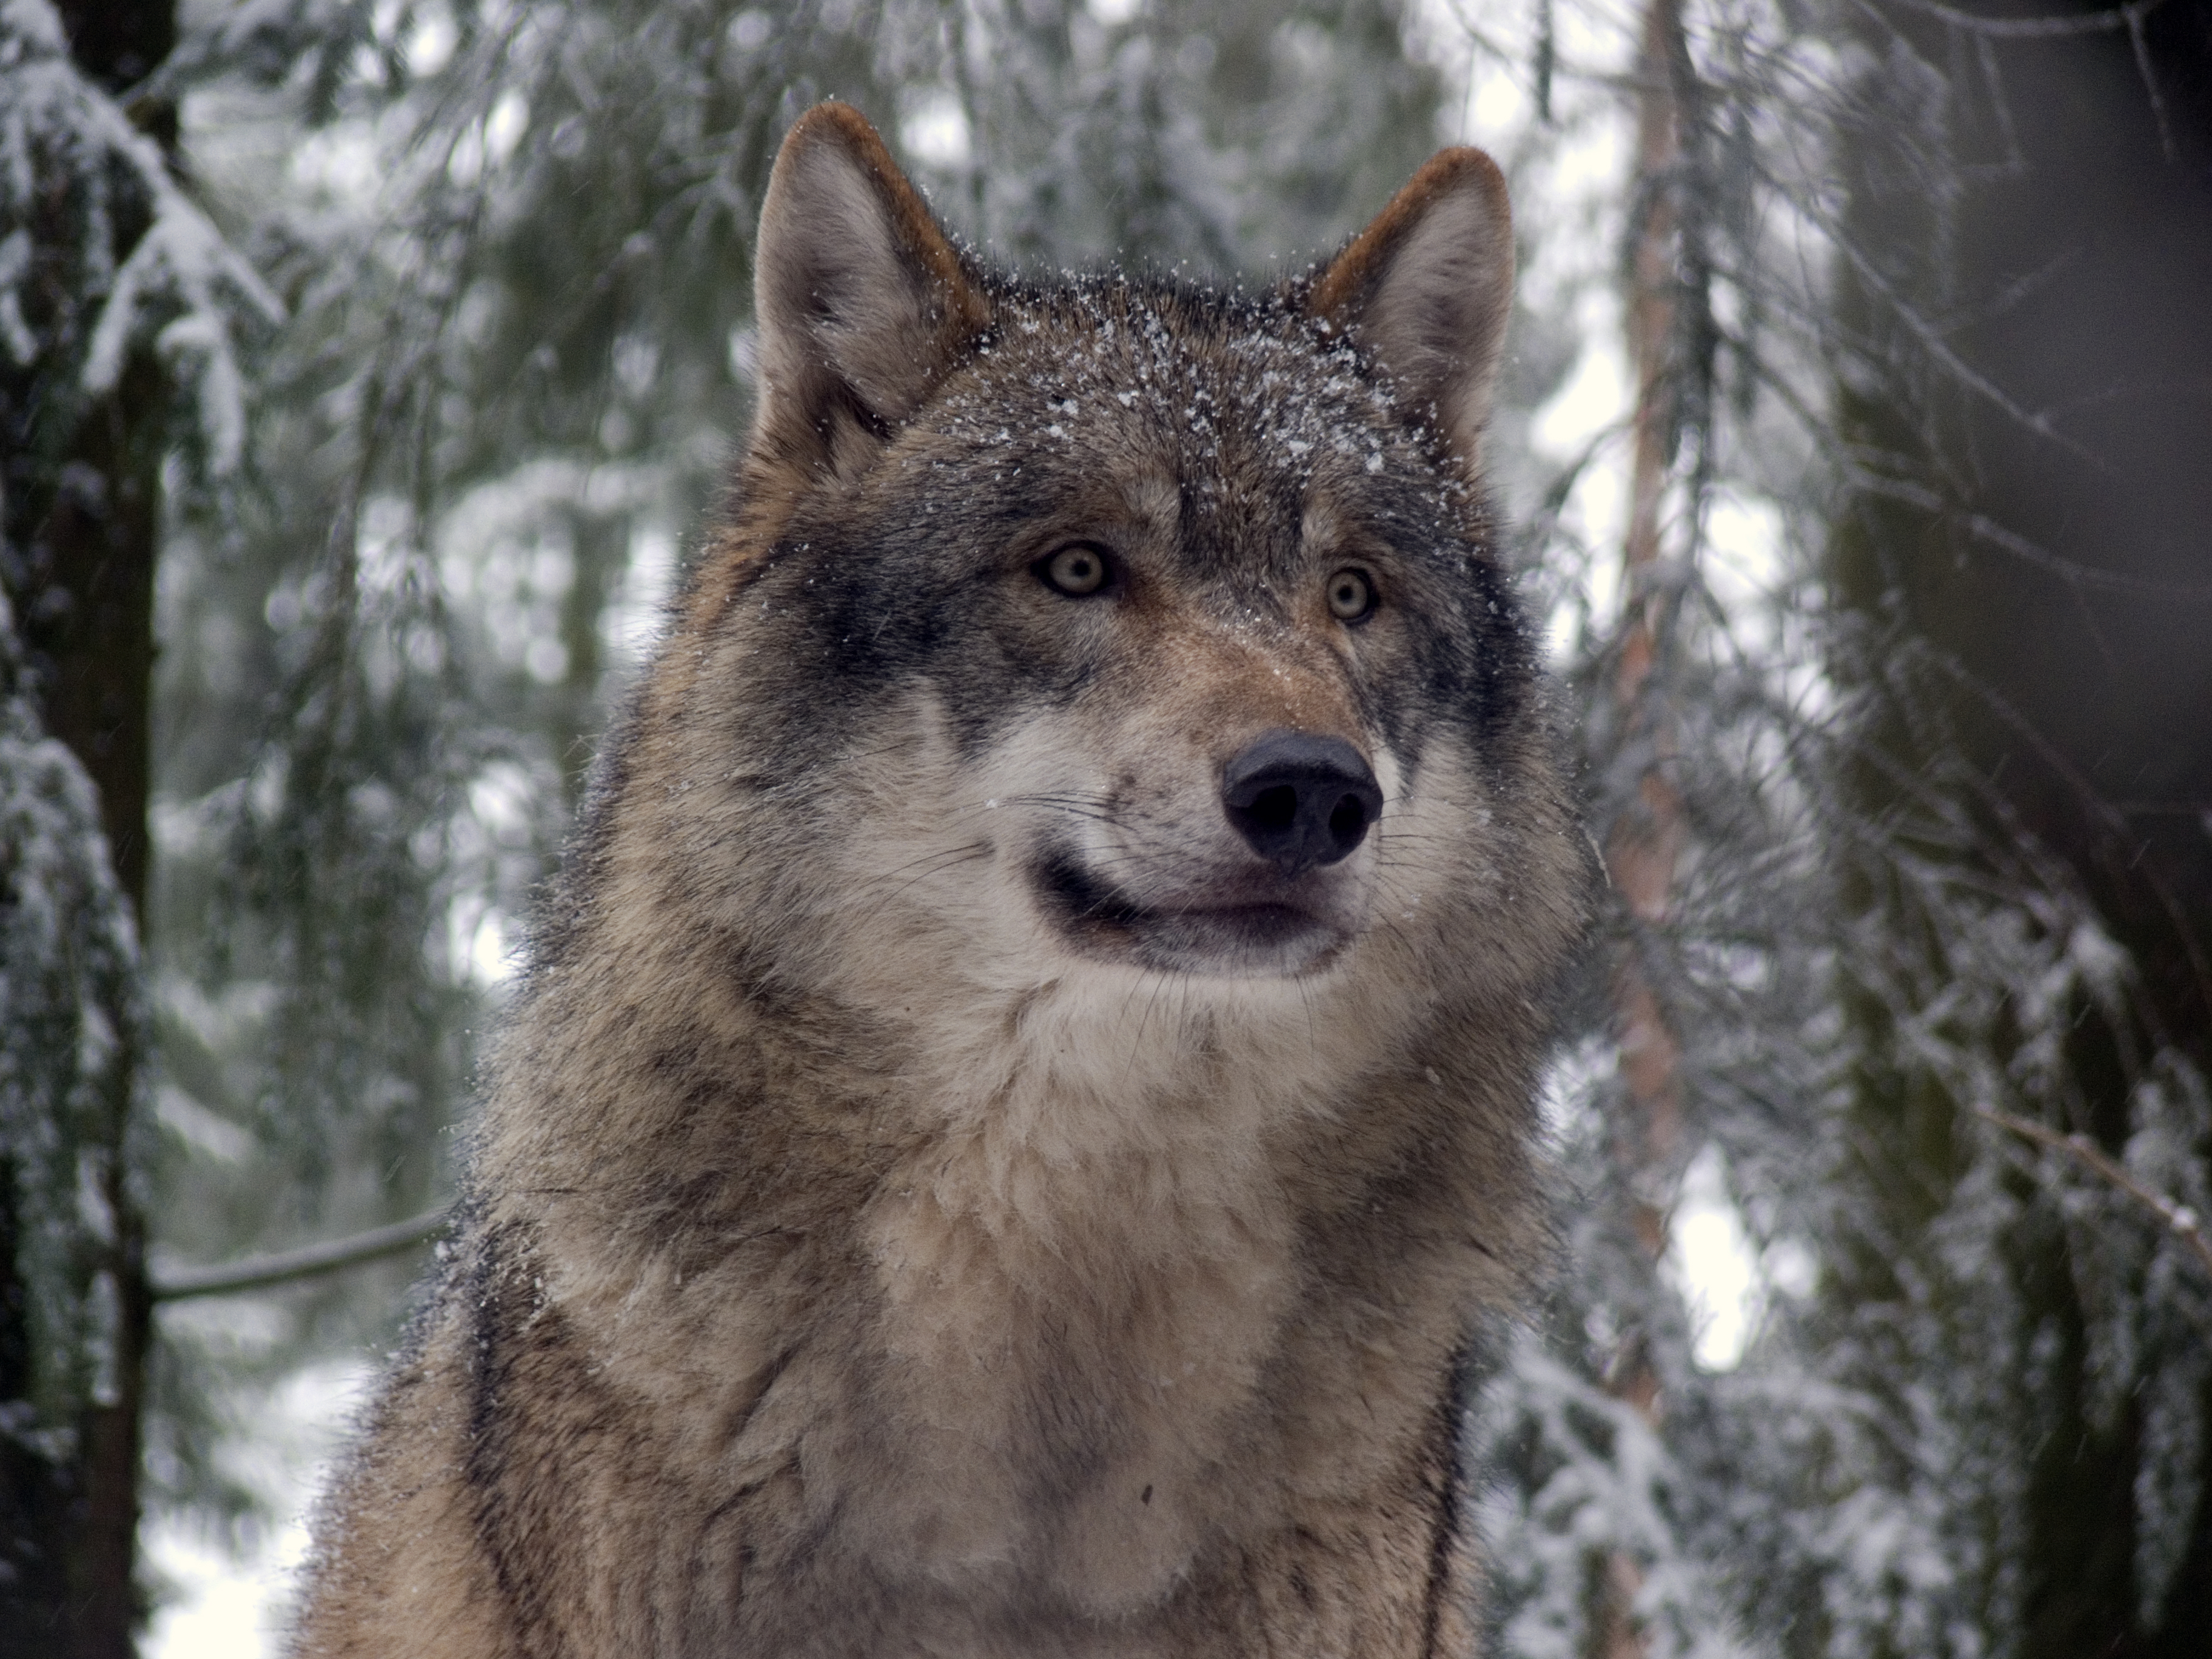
(1076, 571)
(1351, 595)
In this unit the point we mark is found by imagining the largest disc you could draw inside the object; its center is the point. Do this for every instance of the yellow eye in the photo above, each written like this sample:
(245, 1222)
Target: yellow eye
(1076, 571)
(1350, 595)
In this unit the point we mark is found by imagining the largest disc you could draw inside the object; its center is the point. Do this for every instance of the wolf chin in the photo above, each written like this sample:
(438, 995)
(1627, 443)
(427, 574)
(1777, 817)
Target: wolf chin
(1025, 1090)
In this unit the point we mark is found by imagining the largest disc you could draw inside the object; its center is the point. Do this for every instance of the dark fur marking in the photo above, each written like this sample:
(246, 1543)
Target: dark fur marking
(489, 1458)
(1083, 898)
(1448, 1472)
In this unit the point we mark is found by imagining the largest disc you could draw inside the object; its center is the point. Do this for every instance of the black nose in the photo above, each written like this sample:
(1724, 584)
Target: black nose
(1301, 800)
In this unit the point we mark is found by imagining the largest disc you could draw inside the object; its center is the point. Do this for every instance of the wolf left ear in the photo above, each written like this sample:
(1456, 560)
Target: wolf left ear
(1427, 287)
(864, 304)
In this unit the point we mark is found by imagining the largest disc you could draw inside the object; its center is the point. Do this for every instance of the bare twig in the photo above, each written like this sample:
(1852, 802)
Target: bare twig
(2180, 1219)
(2129, 17)
(257, 1271)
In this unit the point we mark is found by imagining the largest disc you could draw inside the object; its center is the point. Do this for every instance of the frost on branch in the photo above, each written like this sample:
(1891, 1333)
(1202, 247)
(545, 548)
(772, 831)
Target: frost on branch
(70, 310)
(70, 1019)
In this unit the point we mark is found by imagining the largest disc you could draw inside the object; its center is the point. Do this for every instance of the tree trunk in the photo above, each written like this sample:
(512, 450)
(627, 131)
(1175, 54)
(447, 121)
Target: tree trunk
(1644, 843)
(87, 616)
(34, 1492)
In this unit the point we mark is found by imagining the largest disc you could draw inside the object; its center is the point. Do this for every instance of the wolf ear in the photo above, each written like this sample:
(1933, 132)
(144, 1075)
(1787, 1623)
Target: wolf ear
(1427, 287)
(863, 303)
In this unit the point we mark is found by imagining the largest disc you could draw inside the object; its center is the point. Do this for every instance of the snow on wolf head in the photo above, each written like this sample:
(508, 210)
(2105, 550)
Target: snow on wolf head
(1028, 1081)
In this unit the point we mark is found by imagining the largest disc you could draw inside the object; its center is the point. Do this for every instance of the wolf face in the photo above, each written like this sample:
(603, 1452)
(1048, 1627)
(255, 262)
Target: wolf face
(1118, 629)
(1027, 1082)
(1186, 665)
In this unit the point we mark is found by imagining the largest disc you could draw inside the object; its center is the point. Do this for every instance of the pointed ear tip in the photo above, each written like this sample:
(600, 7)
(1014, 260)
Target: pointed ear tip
(833, 118)
(831, 133)
(1463, 166)
(1460, 171)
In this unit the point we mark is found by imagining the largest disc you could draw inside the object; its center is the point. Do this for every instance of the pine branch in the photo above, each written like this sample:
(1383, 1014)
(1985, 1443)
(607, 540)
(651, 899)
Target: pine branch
(2180, 1220)
(257, 1271)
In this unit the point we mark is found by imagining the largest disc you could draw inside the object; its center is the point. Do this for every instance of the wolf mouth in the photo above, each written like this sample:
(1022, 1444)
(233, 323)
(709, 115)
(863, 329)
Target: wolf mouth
(1244, 935)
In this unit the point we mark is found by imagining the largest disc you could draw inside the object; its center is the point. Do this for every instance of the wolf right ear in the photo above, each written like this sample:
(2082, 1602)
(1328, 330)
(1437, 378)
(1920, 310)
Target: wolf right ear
(1427, 287)
(863, 302)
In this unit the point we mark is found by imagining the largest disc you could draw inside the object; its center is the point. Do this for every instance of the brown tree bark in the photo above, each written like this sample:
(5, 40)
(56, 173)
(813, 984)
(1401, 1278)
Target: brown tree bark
(1644, 841)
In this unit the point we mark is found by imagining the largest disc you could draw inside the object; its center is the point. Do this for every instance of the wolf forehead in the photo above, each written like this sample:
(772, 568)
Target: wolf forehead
(1247, 430)
(1232, 447)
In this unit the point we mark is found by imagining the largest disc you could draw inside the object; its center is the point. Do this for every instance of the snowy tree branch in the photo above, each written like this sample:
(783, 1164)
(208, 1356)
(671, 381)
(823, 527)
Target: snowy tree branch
(2129, 17)
(2178, 1219)
(256, 1271)
(57, 125)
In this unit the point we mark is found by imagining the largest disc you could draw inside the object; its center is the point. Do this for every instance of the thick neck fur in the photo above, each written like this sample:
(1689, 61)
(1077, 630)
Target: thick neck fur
(1049, 1225)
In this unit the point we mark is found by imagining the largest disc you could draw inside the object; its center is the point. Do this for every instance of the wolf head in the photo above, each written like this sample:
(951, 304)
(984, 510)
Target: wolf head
(1103, 641)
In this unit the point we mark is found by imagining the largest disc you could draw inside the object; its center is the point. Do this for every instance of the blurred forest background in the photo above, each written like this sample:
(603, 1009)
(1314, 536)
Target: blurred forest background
(367, 367)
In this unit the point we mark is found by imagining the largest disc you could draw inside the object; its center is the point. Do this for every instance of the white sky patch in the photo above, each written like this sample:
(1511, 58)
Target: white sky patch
(480, 935)
(1570, 1083)
(631, 622)
(1594, 37)
(491, 957)
(935, 129)
(1710, 1261)
(1744, 565)
(745, 354)
(1498, 106)
(487, 146)
(431, 44)
(1587, 417)
(233, 1606)
(1744, 535)
(1709, 1257)
(1596, 397)
(340, 160)
(1111, 12)
(749, 30)
(504, 127)
(477, 940)
(220, 1615)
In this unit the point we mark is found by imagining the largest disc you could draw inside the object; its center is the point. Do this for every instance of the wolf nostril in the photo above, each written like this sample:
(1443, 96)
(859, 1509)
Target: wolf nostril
(1300, 801)
(1349, 822)
(1274, 809)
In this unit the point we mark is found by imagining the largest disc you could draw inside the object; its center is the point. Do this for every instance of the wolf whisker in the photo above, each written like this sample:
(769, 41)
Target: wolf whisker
(1137, 1042)
(943, 861)
(1074, 805)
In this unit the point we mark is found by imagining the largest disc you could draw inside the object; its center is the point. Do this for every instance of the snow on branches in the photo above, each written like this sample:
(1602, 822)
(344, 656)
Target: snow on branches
(77, 289)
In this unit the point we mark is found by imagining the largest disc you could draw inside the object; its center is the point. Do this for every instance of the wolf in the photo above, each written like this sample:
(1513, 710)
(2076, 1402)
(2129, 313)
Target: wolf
(1024, 1093)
